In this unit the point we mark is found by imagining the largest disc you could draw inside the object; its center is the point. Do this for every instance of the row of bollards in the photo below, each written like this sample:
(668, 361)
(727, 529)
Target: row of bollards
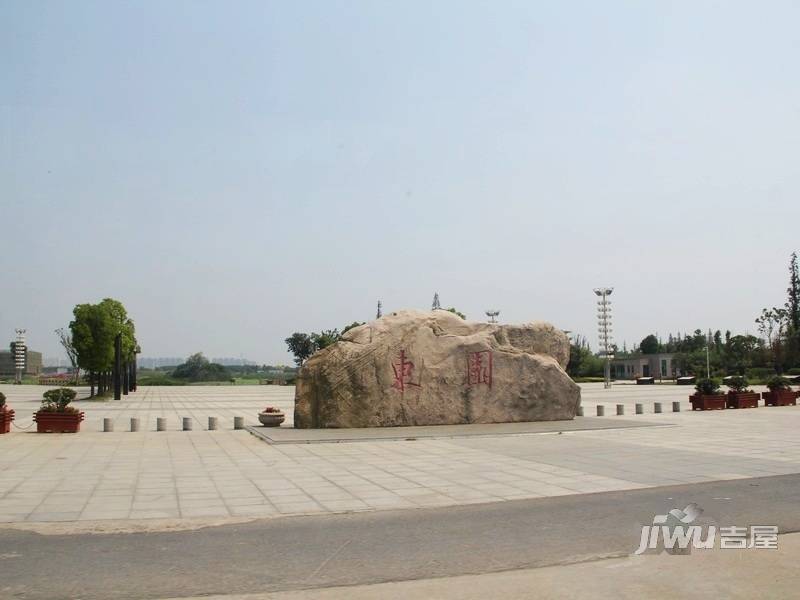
(639, 409)
(161, 423)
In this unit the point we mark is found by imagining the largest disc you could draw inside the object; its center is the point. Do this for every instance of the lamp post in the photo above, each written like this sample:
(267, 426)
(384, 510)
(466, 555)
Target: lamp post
(19, 356)
(604, 329)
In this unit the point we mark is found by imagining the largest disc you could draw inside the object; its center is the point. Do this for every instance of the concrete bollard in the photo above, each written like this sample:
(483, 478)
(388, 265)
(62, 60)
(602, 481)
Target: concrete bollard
(238, 422)
(640, 409)
(161, 424)
(657, 407)
(187, 423)
(620, 409)
(601, 410)
(134, 424)
(580, 411)
(676, 407)
(212, 423)
(108, 424)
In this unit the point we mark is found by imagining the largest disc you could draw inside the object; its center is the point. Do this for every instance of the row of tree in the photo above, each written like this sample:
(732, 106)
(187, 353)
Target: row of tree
(303, 345)
(777, 350)
(92, 337)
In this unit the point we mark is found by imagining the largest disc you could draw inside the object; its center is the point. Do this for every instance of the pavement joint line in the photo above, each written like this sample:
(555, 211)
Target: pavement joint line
(255, 431)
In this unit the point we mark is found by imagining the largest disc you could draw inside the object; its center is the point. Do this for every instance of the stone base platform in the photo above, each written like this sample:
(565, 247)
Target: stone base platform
(289, 435)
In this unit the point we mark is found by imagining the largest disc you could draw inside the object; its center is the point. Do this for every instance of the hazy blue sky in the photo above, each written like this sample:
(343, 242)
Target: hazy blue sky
(236, 171)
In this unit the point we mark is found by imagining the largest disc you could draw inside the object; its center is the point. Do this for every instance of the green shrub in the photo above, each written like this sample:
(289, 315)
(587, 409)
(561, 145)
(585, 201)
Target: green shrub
(760, 373)
(57, 400)
(159, 379)
(738, 384)
(2, 399)
(707, 387)
(794, 371)
(778, 383)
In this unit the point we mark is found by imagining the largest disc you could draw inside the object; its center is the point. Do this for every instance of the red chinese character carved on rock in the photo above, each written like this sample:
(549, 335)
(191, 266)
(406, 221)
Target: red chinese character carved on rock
(479, 368)
(403, 372)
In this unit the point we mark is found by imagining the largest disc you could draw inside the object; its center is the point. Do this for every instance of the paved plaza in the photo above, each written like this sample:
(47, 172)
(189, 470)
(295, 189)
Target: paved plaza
(149, 476)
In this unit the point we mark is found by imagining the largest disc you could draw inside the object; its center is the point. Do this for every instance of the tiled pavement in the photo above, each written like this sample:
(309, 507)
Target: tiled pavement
(179, 475)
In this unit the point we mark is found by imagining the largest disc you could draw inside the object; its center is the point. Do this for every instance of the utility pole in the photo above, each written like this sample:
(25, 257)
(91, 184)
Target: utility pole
(604, 329)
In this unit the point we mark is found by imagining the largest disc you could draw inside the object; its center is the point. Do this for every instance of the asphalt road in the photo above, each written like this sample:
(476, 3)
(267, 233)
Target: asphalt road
(322, 551)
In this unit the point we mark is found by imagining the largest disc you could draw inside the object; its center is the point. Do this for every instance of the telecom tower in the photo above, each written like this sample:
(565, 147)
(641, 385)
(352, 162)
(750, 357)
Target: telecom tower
(19, 355)
(436, 305)
(492, 314)
(379, 314)
(604, 329)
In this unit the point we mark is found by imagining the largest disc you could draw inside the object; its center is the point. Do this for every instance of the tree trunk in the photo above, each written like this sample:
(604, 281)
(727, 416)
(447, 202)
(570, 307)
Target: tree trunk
(91, 383)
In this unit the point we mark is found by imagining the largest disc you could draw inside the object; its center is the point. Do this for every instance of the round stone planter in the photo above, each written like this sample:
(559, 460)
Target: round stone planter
(272, 419)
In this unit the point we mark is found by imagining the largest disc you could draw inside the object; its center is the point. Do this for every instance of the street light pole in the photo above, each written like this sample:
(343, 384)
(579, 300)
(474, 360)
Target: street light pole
(604, 329)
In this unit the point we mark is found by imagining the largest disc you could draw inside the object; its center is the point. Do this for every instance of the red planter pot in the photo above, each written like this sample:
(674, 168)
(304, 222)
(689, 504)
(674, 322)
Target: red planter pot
(51, 422)
(6, 416)
(742, 400)
(783, 398)
(707, 401)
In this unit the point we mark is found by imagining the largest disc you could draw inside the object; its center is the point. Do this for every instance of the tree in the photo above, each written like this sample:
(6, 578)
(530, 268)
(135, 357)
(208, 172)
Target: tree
(740, 353)
(123, 325)
(325, 338)
(93, 331)
(198, 368)
(793, 293)
(455, 312)
(66, 341)
(352, 325)
(649, 345)
(301, 345)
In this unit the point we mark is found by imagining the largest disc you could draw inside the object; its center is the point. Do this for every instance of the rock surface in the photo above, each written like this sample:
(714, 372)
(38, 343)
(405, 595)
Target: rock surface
(434, 368)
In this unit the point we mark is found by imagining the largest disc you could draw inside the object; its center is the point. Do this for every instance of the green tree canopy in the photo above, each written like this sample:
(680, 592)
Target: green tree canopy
(198, 368)
(650, 345)
(456, 312)
(301, 345)
(93, 331)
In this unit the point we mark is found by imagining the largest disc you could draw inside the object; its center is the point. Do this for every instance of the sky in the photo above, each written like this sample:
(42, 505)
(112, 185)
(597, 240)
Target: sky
(237, 171)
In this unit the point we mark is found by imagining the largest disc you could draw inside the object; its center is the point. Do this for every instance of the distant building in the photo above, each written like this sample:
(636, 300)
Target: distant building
(145, 362)
(660, 366)
(33, 363)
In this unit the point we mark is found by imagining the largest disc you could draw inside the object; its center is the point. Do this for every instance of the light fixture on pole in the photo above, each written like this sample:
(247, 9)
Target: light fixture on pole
(604, 329)
(19, 356)
(492, 314)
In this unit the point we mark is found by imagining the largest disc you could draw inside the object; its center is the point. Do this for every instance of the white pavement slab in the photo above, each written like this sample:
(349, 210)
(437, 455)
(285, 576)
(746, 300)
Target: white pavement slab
(119, 476)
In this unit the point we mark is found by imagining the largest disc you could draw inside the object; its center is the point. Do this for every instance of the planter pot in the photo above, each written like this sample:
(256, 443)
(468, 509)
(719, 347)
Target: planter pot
(271, 419)
(742, 400)
(6, 416)
(51, 422)
(782, 398)
(707, 401)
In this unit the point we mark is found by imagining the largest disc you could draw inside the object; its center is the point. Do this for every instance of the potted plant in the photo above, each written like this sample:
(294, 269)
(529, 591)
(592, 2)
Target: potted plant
(739, 396)
(707, 396)
(55, 415)
(6, 415)
(780, 392)
(271, 417)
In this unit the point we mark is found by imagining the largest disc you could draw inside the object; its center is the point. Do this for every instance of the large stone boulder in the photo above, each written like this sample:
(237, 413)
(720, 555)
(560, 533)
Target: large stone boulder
(434, 368)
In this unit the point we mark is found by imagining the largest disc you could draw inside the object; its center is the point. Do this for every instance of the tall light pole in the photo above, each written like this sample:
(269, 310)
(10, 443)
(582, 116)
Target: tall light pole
(19, 355)
(604, 329)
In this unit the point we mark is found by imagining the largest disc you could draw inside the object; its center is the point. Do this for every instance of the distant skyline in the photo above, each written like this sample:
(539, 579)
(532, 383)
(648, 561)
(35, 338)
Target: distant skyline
(235, 172)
